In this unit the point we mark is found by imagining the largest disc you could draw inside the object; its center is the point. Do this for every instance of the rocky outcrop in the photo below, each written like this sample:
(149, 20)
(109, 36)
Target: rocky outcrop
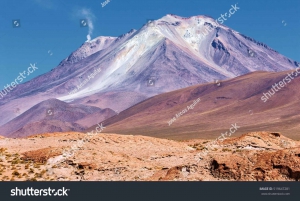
(256, 156)
(274, 166)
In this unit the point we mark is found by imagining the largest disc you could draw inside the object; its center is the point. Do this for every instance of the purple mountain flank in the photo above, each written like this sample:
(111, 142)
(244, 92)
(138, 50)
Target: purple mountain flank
(95, 118)
(45, 126)
(51, 116)
(178, 115)
(172, 53)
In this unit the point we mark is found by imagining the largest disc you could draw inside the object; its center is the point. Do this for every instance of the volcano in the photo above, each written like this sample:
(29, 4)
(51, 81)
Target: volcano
(165, 55)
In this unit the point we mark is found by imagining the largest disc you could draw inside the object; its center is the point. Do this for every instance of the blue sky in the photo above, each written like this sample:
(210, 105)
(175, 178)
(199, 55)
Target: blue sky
(53, 25)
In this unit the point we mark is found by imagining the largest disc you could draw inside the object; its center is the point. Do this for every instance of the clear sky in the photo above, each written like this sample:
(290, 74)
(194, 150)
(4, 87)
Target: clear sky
(53, 25)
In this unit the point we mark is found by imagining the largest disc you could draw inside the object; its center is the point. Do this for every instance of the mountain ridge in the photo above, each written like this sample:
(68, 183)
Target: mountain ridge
(168, 51)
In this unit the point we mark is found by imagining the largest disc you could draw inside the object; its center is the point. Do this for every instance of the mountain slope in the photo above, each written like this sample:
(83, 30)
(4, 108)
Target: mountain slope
(62, 118)
(172, 53)
(235, 101)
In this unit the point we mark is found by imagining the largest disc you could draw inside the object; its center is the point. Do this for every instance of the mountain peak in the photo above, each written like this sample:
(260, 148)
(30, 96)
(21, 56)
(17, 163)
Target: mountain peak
(172, 17)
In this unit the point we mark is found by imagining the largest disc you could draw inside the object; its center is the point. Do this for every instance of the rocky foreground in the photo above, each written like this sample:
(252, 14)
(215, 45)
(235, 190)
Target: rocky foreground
(256, 156)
